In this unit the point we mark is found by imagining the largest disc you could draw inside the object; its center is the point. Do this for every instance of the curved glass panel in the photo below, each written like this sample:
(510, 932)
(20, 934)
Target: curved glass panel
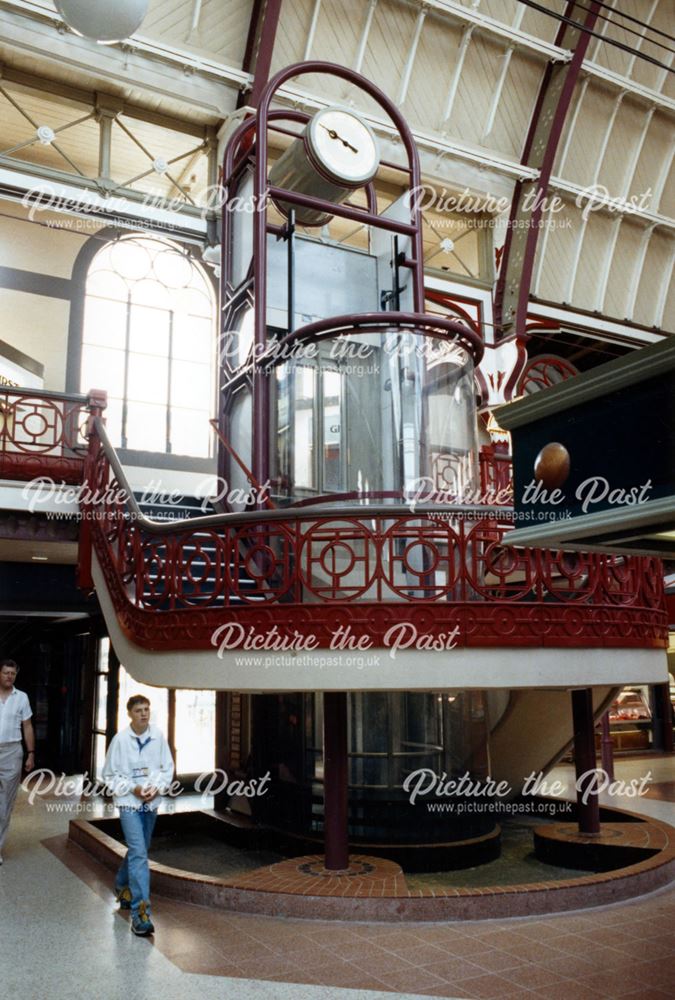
(388, 415)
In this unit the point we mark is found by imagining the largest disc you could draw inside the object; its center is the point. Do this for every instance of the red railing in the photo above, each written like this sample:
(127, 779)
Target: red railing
(496, 473)
(44, 433)
(309, 571)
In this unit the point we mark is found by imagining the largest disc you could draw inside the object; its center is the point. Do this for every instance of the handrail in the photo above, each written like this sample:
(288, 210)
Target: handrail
(66, 397)
(279, 513)
(28, 390)
(174, 584)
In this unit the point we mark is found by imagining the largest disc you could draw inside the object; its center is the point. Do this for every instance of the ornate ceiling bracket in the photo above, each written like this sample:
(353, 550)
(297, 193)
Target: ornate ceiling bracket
(546, 127)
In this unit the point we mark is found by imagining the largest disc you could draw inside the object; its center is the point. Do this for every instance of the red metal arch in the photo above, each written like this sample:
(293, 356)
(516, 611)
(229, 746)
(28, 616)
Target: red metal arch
(548, 119)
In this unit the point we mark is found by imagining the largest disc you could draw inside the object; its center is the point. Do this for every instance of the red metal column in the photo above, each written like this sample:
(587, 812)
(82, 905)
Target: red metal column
(548, 119)
(260, 47)
(584, 760)
(96, 404)
(335, 764)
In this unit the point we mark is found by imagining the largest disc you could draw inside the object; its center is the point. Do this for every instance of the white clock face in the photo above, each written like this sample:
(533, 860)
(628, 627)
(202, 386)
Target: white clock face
(344, 145)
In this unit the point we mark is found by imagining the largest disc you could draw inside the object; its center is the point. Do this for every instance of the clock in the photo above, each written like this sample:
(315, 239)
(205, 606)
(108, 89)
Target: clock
(336, 154)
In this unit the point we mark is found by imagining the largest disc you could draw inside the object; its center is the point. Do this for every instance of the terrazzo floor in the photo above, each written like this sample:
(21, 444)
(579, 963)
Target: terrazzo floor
(62, 938)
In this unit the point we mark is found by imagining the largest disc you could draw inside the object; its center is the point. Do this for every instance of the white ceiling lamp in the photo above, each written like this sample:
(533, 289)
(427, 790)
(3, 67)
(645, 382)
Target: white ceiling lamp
(101, 20)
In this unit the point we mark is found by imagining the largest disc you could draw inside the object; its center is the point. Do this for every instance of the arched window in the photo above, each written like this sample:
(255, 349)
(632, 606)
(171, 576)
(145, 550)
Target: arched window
(148, 339)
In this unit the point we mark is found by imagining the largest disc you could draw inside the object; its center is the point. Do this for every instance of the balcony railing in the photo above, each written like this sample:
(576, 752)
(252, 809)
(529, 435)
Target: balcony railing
(44, 433)
(309, 571)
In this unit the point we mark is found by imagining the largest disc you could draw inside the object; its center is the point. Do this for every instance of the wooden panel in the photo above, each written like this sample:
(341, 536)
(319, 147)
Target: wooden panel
(389, 42)
(623, 263)
(558, 260)
(625, 136)
(656, 261)
(588, 135)
(430, 81)
(514, 111)
(656, 148)
(476, 85)
(593, 251)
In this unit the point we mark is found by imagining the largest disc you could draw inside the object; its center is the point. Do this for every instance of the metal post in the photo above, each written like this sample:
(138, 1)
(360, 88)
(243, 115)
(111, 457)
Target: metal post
(607, 748)
(107, 110)
(221, 799)
(588, 813)
(291, 269)
(105, 144)
(336, 839)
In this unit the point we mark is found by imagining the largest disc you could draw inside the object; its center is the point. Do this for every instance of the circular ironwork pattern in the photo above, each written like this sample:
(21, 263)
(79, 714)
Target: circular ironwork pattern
(570, 576)
(172, 588)
(200, 558)
(35, 425)
(420, 559)
(260, 562)
(497, 571)
(338, 559)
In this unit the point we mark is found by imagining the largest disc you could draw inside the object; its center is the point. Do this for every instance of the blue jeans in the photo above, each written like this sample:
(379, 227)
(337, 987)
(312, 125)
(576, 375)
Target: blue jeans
(137, 827)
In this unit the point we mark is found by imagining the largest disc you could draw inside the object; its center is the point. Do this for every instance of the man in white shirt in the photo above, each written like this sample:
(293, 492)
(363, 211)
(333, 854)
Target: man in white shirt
(138, 769)
(15, 721)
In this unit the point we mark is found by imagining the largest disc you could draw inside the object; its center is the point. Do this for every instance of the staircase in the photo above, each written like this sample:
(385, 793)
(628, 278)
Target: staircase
(200, 556)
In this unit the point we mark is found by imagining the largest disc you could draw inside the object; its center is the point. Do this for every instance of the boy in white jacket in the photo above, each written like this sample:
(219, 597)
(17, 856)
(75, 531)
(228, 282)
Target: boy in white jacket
(138, 769)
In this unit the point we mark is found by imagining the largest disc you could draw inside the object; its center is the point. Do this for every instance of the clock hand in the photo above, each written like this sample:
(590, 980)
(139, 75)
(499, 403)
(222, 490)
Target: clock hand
(334, 135)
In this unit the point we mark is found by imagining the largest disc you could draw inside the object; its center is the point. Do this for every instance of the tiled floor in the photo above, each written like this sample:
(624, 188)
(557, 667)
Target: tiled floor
(58, 923)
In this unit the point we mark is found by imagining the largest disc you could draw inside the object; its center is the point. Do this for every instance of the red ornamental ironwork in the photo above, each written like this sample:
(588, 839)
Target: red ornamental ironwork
(42, 434)
(294, 570)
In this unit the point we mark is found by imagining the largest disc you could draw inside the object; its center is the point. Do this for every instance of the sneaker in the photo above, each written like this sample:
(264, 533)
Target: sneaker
(141, 924)
(123, 897)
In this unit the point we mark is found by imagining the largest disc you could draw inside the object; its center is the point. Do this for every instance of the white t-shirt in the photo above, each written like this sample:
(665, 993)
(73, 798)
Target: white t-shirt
(138, 760)
(13, 711)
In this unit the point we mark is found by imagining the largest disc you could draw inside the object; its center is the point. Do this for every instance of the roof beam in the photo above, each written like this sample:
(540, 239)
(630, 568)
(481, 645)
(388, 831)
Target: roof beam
(638, 44)
(599, 201)
(459, 65)
(663, 176)
(262, 34)
(573, 124)
(363, 42)
(637, 150)
(646, 94)
(312, 30)
(412, 53)
(52, 190)
(90, 98)
(601, 292)
(524, 42)
(497, 92)
(638, 267)
(546, 128)
(506, 33)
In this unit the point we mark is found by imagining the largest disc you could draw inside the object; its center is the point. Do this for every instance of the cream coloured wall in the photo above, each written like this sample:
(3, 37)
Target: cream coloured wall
(48, 244)
(37, 326)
